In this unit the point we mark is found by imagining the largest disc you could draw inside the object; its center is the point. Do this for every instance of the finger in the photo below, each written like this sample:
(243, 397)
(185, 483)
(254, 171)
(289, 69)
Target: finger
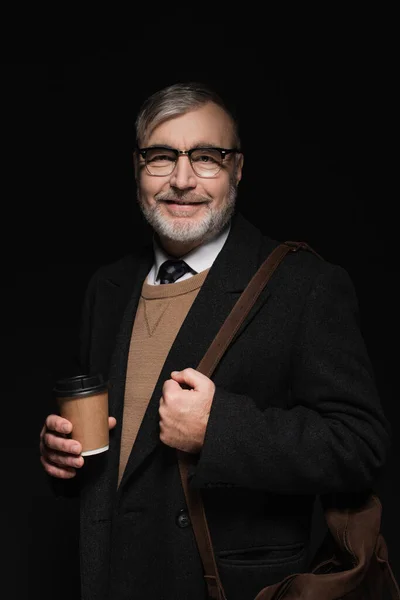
(170, 386)
(172, 392)
(59, 424)
(59, 472)
(112, 421)
(189, 376)
(53, 441)
(60, 459)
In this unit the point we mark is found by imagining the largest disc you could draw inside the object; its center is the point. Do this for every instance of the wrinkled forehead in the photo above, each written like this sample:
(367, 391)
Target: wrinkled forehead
(207, 125)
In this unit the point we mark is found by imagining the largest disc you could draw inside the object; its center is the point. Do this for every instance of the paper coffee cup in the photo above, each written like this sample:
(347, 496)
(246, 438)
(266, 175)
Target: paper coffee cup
(83, 400)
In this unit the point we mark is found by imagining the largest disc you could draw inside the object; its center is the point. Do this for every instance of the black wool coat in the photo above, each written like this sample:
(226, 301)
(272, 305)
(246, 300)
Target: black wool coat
(295, 414)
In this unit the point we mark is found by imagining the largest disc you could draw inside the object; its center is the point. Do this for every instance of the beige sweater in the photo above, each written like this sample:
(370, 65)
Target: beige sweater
(161, 312)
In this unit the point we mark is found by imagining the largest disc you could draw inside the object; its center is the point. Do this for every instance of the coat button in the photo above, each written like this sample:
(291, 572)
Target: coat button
(182, 519)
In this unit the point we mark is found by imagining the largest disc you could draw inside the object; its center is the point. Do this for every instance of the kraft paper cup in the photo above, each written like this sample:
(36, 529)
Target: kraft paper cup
(83, 400)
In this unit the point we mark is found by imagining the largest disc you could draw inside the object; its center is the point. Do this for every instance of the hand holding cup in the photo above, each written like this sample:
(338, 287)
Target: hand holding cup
(81, 429)
(60, 454)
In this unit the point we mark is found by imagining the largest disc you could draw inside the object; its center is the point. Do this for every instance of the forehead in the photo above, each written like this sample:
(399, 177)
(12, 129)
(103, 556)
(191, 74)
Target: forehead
(208, 124)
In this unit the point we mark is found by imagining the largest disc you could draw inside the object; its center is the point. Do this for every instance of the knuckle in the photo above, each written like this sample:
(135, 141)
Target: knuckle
(44, 440)
(65, 445)
(42, 449)
(53, 458)
(47, 468)
(48, 443)
(49, 422)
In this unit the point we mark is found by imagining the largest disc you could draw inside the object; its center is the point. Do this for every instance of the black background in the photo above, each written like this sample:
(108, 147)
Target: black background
(316, 126)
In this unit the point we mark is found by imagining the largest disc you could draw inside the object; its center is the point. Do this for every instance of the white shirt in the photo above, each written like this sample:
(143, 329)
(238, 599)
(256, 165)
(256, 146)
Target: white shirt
(199, 259)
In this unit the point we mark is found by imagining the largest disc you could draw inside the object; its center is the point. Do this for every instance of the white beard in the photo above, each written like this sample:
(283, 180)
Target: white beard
(182, 230)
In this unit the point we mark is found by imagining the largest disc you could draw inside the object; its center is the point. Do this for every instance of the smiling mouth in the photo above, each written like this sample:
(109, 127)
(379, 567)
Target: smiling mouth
(181, 203)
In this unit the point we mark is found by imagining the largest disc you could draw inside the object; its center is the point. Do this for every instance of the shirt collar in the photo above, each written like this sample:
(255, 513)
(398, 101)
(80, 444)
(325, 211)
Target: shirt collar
(199, 259)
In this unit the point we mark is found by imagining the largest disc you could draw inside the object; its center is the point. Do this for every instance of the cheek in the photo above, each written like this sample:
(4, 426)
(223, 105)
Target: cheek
(149, 186)
(218, 189)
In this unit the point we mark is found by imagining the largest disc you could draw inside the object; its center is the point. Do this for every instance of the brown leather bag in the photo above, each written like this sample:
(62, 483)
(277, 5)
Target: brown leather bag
(352, 561)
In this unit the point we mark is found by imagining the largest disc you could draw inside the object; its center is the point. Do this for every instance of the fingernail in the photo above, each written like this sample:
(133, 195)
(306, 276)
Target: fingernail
(76, 449)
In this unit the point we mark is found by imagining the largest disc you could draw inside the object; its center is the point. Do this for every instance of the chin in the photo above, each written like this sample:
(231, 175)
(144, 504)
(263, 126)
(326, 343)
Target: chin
(182, 229)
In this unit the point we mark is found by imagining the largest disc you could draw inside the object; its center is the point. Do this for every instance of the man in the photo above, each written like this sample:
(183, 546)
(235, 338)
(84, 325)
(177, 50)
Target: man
(291, 412)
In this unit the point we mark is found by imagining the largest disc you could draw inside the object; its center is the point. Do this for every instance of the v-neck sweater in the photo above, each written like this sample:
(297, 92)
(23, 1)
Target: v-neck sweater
(161, 311)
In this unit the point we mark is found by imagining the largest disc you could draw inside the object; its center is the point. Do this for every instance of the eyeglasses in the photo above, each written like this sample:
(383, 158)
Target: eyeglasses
(206, 162)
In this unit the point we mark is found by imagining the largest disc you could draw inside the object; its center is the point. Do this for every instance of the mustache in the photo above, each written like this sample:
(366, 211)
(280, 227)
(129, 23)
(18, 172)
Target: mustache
(184, 197)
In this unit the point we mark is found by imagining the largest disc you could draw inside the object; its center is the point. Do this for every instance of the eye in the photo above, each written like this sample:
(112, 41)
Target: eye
(206, 156)
(160, 155)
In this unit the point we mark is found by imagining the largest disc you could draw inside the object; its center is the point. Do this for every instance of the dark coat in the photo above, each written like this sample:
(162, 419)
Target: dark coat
(295, 414)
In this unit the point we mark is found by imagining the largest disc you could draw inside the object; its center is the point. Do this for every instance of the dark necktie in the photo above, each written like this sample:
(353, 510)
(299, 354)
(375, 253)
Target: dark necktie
(171, 270)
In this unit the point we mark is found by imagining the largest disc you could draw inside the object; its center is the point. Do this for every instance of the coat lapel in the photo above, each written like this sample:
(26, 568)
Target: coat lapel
(238, 260)
(120, 295)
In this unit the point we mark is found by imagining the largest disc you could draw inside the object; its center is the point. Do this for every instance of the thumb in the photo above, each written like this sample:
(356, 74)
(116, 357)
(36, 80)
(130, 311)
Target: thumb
(112, 421)
(189, 377)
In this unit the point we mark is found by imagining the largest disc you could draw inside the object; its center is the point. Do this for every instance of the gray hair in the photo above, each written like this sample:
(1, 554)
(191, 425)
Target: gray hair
(175, 100)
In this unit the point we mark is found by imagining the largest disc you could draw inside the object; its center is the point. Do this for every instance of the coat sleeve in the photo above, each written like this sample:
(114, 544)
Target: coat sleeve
(332, 438)
(69, 488)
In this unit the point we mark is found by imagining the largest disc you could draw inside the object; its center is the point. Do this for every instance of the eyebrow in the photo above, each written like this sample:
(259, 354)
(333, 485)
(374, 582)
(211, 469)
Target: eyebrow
(197, 145)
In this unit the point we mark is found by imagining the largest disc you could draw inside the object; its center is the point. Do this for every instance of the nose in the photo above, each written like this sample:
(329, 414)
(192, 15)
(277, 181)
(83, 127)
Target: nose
(183, 176)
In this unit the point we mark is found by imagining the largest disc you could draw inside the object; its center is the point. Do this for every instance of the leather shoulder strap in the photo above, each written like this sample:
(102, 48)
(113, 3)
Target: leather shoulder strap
(207, 366)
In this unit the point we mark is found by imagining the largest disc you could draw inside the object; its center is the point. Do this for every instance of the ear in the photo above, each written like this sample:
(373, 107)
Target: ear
(239, 167)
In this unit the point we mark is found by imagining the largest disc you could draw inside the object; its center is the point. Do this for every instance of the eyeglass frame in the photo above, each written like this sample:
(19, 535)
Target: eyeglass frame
(188, 153)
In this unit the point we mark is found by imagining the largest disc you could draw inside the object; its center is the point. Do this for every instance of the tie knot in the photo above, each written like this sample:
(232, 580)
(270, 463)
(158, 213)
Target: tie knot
(172, 269)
